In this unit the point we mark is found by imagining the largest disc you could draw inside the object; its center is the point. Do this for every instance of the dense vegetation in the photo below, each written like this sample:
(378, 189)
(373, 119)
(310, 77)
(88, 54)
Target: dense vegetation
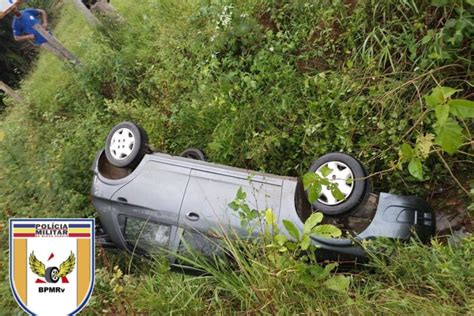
(266, 85)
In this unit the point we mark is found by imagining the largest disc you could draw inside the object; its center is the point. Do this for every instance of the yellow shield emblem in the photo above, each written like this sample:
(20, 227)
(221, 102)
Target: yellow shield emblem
(52, 264)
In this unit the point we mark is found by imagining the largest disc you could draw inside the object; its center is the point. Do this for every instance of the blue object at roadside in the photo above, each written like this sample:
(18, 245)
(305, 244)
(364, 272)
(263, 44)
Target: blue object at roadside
(23, 25)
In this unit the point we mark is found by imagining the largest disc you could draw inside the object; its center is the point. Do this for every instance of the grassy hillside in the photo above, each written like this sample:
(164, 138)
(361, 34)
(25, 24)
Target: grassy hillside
(261, 84)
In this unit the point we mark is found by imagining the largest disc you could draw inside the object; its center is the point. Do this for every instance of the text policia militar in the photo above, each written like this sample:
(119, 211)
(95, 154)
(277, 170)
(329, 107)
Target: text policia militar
(52, 229)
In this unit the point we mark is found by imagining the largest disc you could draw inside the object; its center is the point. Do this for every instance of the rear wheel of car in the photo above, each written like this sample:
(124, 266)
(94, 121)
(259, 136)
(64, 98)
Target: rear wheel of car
(193, 153)
(126, 145)
(348, 175)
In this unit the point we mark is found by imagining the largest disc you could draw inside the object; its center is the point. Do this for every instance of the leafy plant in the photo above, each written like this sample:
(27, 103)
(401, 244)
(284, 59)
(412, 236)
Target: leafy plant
(295, 246)
(302, 240)
(449, 113)
(240, 206)
(313, 185)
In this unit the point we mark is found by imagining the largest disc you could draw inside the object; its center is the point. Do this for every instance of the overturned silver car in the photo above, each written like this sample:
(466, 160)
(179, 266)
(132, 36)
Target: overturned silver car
(148, 201)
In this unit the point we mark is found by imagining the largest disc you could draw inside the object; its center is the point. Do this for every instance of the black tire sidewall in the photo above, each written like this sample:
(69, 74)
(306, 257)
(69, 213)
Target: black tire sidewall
(138, 151)
(48, 277)
(361, 185)
(193, 153)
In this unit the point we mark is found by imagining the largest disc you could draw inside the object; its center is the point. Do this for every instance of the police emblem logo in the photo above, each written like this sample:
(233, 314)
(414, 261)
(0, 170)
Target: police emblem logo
(52, 264)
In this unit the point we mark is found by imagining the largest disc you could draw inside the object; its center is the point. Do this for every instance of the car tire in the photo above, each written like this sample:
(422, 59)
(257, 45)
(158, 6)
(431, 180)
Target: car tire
(126, 145)
(193, 153)
(51, 275)
(342, 168)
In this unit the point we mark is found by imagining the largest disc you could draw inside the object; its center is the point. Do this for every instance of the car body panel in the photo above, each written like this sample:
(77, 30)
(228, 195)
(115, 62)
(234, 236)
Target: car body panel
(159, 190)
(399, 216)
(209, 194)
(192, 198)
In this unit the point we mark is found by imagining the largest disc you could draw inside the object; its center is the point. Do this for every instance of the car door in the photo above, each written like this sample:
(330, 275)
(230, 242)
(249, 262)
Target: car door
(205, 207)
(150, 203)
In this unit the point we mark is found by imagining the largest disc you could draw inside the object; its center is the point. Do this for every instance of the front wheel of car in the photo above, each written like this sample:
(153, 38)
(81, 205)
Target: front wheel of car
(346, 186)
(126, 145)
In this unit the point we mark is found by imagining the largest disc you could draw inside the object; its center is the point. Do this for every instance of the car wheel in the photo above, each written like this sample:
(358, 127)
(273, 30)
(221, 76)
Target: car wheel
(51, 275)
(350, 177)
(126, 145)
(194, 153)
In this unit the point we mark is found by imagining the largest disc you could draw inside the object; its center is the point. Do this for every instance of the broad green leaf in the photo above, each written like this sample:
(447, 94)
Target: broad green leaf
(327, 231)
(442, 112)
(338, 283)
(241, 195)
(270, 217)
(253, 214)
(314, 192)
(471, 2)
(449, 136)
(330, 267)
(431, 101)
(234, 205)
(315, 269)
(305, 242)
(416, 168)
(406, 152)
(325, 171)
(461, 108)
(214, 146)
(439, 95)
(435, 98)
(292, 229)
(281, 239)
(337, 192)
(447, 92)
(324, 181)
(320, 273)
(291, 245)
(312, 221)
(309, 179)
(2, 135)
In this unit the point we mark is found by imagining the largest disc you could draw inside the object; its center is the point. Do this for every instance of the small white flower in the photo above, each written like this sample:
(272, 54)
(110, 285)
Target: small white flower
(225, 18)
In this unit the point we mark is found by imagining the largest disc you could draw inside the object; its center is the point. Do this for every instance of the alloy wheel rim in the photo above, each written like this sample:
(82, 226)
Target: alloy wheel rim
(342, 176)
(122, 143)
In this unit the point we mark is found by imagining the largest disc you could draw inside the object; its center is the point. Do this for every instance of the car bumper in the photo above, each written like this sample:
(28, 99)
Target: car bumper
(397, 217)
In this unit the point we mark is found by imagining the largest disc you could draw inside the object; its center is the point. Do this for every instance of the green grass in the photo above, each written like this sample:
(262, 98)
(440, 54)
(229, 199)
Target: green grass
(417, 280)
(277, 85)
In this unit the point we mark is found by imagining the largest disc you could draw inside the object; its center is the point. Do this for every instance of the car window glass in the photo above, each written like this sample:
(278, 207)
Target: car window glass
(144, 234)
(196, 241)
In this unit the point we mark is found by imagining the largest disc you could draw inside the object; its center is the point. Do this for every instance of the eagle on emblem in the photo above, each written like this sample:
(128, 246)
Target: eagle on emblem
(52, 274)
